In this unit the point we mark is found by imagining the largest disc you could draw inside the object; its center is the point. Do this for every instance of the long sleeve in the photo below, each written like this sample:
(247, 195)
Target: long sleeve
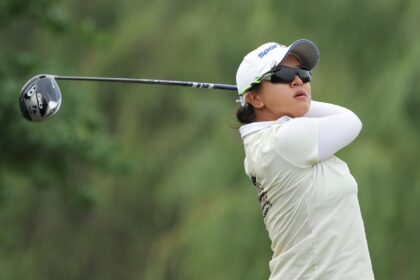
(337, 128)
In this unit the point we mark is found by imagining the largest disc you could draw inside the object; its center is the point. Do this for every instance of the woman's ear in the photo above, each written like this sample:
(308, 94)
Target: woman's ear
(254, 99)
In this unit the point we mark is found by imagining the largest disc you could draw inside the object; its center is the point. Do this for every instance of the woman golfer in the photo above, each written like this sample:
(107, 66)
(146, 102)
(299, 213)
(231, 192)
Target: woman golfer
(308, 196)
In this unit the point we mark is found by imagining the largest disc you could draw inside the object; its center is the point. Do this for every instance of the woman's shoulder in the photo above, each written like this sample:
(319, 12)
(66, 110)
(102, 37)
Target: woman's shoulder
(295, 127)
(255, 127)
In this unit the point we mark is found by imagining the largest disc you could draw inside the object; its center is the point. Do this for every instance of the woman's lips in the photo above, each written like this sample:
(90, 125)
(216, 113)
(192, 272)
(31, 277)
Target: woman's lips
(300, 95)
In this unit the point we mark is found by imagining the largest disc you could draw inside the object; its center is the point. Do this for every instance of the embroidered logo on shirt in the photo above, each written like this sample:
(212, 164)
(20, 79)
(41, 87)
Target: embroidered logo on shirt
(265, 204)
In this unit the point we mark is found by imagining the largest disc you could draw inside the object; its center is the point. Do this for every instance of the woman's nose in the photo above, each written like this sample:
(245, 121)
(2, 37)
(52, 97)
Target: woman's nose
(297, 81)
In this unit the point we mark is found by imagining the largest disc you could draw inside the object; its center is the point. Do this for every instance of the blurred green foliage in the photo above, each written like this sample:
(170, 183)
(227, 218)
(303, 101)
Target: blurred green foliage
(147, 182)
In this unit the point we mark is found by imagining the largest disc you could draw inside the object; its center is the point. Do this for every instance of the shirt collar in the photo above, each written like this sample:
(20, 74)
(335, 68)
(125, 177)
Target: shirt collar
(248, 129)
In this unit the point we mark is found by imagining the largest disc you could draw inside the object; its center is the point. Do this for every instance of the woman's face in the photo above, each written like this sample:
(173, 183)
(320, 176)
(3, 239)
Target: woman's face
(277, 99)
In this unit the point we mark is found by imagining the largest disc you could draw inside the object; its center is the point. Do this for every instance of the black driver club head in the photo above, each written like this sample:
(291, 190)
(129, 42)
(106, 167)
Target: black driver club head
(40, 98)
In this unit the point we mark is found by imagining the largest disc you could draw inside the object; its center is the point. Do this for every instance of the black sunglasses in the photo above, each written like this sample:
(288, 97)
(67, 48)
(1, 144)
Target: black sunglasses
(286, 75)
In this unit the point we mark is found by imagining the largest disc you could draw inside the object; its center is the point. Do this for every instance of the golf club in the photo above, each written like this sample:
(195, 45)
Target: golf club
(40, 97)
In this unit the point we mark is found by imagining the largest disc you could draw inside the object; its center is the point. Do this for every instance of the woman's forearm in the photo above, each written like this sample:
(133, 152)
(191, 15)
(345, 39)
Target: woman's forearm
(322, 109)
(338, 127)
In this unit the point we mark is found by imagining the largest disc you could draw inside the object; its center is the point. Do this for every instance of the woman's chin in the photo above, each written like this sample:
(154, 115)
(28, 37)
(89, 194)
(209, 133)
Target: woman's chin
(300, 111)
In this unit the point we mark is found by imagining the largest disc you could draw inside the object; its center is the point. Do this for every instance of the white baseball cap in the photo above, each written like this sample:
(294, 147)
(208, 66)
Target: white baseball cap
(260, 61)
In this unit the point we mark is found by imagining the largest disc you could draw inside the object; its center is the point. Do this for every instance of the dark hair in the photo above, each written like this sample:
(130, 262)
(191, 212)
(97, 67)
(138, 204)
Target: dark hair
(246, 113)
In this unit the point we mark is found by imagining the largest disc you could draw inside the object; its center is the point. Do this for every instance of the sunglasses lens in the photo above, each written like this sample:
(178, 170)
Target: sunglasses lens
(305, 76)
(283, 75)
(287, 75)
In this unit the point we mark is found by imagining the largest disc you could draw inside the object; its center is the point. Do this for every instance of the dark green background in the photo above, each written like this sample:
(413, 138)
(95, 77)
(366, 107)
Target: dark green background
(147, 182)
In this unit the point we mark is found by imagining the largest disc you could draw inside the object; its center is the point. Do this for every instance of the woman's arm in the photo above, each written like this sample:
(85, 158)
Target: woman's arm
(338, 127)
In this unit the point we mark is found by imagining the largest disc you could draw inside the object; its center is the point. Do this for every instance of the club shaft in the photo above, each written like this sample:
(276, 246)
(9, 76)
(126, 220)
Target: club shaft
(150, 81)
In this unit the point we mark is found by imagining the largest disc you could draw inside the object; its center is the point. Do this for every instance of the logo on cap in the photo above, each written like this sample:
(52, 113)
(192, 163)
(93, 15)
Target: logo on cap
(267, 50)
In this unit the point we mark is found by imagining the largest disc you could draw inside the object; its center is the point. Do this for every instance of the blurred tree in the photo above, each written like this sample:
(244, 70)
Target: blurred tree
(45, 168)
(130, 182)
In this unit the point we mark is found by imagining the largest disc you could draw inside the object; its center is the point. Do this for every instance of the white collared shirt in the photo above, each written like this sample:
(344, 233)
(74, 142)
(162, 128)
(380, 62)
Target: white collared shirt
(309, 203)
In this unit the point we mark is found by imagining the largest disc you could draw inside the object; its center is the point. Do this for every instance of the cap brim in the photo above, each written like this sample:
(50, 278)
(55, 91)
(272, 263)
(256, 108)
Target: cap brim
(306, 51)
